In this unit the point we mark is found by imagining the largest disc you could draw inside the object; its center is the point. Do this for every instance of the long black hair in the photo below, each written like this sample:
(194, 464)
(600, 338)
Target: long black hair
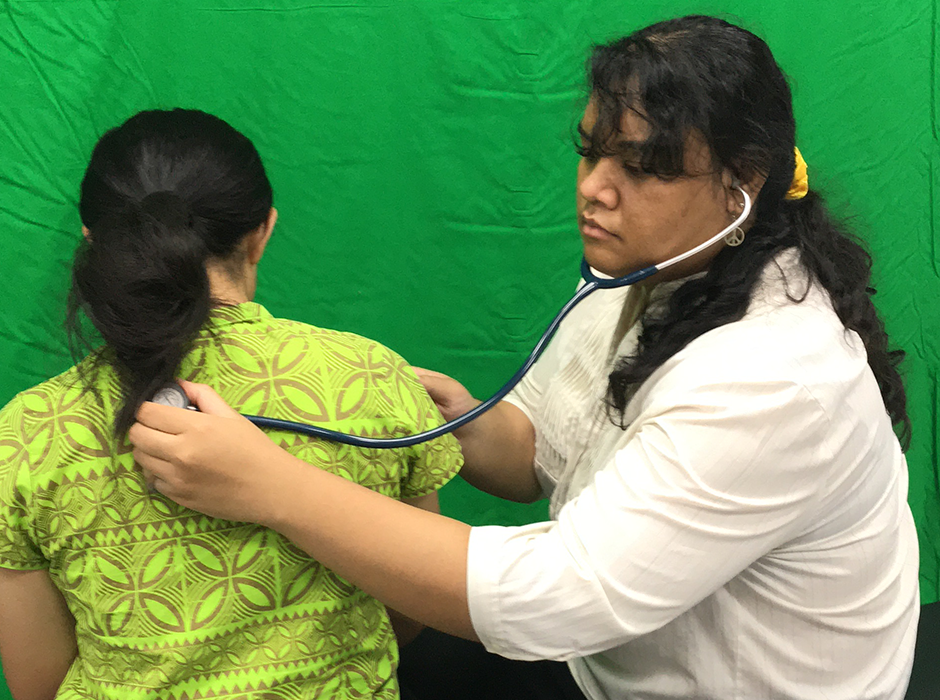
(706, 75)
(164, 193)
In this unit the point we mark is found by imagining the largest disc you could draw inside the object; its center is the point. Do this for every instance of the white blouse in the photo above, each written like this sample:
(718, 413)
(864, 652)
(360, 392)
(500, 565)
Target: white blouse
(747, 536)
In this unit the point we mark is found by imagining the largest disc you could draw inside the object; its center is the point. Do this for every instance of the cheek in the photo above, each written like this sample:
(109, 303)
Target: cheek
(701, 216)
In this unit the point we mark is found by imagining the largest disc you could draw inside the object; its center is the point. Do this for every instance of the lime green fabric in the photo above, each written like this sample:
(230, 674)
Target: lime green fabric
(167, 599)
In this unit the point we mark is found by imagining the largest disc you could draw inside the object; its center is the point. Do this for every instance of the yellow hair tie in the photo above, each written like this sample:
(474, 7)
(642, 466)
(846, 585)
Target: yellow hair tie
(800, 185)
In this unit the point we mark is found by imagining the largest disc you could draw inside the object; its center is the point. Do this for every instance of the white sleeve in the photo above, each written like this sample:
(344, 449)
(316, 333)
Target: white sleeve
(701, 491)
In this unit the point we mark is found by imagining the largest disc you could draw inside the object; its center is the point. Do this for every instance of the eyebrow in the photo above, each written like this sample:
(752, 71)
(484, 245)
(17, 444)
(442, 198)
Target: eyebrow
(621, 146)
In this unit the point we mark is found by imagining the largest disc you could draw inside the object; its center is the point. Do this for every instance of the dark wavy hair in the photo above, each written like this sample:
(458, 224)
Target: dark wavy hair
(164, 193)
(706, 75)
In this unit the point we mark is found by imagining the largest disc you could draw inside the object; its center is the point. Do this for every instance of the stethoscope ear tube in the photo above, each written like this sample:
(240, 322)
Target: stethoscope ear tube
(592, 284)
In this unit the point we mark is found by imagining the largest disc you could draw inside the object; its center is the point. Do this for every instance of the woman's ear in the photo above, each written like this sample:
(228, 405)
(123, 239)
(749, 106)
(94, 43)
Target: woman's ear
(754, 185)
(258, 240)
(86, 233)
(734, 200)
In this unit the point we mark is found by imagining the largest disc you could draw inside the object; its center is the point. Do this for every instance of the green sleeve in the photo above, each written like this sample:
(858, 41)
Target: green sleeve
(430, 464)
(18, 549)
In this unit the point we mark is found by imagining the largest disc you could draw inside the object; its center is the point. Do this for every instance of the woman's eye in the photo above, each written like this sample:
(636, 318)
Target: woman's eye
(632, 169)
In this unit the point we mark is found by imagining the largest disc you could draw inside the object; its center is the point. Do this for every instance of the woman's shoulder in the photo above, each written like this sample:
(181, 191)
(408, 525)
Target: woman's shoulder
(342, 360)
(73, 406)
(70, 390)
(250, 328)
(789, 336)
(341, 345)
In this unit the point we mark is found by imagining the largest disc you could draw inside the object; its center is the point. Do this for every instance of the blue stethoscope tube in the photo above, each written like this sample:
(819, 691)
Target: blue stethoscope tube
(592, 284)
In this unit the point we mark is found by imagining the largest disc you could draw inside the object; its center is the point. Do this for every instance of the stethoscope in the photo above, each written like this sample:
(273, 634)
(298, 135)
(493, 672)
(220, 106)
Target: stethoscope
(173, 394)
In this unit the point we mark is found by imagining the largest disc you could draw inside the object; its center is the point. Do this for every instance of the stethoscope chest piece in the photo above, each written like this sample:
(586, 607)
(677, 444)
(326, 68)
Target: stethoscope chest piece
(173, 395)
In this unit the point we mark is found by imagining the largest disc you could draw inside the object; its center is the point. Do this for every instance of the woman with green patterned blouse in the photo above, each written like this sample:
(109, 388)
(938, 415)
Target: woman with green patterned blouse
(109, 591)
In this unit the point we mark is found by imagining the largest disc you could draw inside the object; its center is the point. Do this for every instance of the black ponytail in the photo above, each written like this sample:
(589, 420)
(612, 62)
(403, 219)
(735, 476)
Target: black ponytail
(143, 282)
(164, 194)
(704, 74)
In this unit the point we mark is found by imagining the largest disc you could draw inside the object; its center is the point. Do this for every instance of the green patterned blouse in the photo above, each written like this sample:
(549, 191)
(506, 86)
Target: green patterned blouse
(171, 604)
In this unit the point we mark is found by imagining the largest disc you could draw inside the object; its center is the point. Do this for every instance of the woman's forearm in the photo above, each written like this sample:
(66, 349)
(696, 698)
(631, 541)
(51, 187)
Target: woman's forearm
(499, 451)
(381, 545)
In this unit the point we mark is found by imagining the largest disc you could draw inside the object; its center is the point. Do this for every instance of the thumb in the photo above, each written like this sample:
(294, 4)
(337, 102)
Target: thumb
(428, 375)
(431, 379)
(422, 372)
(207, 401)
(435, 388)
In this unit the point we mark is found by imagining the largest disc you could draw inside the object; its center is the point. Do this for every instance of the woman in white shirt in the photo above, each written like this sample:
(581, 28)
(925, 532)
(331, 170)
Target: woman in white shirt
(728, 497)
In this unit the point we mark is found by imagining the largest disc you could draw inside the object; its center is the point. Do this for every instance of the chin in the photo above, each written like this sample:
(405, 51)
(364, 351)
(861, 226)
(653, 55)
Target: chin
(604, 262)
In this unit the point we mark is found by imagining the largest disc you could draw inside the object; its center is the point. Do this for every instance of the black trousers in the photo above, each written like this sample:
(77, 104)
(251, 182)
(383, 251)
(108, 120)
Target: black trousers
(925, 678)
(436, 666)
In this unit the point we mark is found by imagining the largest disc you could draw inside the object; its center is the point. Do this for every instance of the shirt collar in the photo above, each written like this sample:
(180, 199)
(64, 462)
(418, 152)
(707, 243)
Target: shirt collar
(221, 317)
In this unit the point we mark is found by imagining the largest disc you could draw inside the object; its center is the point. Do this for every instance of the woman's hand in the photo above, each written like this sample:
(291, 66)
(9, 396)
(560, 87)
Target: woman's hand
(498, 446)
(214, 461)
(452, 399)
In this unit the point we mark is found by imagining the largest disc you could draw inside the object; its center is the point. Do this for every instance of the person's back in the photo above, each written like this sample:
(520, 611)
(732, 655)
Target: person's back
(165, 599)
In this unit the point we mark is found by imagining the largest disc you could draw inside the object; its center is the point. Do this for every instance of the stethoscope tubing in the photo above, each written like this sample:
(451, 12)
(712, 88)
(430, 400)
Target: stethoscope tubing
(449, 426)
(592, 284)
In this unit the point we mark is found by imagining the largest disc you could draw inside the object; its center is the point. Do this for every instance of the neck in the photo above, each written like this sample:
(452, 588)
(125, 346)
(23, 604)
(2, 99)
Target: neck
(225, 289)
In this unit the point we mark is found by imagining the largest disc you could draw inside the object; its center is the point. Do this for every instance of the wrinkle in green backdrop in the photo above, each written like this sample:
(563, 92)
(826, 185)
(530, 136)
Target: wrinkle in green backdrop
(423, 166)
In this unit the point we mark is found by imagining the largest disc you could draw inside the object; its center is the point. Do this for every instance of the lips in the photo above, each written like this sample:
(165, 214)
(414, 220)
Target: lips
(592, 229)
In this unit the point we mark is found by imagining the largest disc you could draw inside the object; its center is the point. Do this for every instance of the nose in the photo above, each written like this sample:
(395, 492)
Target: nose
(597, 183)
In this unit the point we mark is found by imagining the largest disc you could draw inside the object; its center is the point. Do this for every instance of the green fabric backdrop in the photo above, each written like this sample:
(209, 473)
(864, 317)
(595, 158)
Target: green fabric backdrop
(422, 163)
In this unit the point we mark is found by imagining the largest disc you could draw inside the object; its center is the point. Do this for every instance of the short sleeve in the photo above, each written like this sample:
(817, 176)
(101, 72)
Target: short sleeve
(18, 550)
(433, 463)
